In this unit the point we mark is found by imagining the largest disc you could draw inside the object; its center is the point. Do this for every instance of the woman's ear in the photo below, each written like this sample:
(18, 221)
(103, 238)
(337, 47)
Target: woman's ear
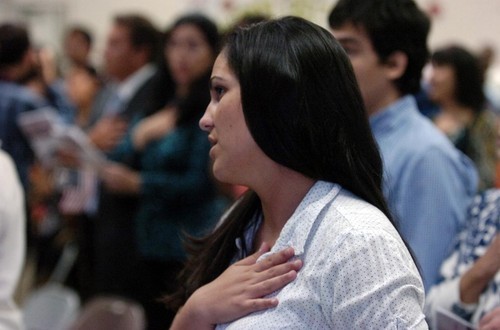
(396, 65)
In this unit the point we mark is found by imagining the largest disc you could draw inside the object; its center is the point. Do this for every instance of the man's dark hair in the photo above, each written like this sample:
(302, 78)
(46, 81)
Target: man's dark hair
(14, 43)
(392, 26)
(143, 34)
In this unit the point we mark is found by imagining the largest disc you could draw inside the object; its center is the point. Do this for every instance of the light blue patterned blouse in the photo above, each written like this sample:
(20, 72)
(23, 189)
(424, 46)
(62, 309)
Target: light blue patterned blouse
(356, 274)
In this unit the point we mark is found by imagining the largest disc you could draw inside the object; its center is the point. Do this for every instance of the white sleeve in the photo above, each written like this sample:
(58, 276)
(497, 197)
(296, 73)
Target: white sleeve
(376, 284)
(12, 238)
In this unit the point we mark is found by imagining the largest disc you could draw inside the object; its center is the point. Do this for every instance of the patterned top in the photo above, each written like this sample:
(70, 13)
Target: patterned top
(356, 274)
(471, 244)
(178, 195)
(478, 142)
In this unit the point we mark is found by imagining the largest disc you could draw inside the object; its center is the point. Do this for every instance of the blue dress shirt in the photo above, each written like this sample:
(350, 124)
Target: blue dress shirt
(428, 183)
(16, 99)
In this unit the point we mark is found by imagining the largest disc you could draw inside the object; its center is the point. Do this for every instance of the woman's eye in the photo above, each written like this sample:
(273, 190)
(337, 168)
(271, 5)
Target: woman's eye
(219, 91)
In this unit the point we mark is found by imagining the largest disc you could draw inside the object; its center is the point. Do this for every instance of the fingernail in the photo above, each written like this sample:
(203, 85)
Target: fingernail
(262, 247)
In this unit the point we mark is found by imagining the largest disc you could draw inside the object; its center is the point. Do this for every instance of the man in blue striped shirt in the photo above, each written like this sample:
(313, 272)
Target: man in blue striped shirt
(427, 182)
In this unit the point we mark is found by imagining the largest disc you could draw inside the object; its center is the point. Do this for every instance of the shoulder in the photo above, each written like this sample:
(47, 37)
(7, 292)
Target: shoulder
(415, 138)
(364, 259)
(351, 228)
(17, 95)
(356, 215)
(426, 152)
(10, 189)
(7, 168)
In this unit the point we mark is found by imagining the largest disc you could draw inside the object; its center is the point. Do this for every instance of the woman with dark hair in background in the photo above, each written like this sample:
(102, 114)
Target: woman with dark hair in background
(313, 232)
(176, 189)
(456, 85)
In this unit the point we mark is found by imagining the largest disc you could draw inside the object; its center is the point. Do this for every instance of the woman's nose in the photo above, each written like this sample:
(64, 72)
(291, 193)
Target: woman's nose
(206, 123)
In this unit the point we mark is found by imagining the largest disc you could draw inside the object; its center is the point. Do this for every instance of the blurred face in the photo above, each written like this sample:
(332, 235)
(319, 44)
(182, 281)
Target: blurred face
(236, 156)
(29, 63)
(188, 54)
(371, 73)
(81, 87)
(76, 48)
(441, 83)
(120, 57)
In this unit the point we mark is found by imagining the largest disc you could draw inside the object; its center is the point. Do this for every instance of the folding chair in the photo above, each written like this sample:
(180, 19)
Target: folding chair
(109, 312)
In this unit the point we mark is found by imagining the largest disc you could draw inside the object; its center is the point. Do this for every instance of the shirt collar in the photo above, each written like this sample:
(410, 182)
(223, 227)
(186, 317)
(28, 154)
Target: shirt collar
(299, 227)
(129, 86)
(391, 116)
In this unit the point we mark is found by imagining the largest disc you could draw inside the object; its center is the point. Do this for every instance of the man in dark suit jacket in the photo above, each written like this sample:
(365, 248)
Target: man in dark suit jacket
(133, 89)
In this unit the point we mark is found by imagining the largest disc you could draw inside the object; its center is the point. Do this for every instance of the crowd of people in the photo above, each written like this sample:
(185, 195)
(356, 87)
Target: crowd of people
(277, 175)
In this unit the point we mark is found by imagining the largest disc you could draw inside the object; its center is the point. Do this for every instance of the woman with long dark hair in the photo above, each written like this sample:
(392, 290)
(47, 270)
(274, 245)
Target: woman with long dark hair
(286, 119)
(456, 86)
(172, 177)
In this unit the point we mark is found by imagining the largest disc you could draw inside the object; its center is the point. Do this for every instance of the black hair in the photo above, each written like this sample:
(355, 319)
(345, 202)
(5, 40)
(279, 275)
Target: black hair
(192, 106)
(14, 43)
(392, 26)
(468, 74)
(304, 109)
(83, 32)
(205, 25)
(143, 34)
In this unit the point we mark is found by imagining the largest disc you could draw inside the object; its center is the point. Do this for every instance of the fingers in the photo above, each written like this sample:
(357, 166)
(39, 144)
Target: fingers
(268, 286)
(256, 305)
(252, 259)
(491, 320)
(277, 258)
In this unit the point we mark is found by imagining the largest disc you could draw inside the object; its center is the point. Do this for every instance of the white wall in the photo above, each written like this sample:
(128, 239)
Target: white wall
(473, 23)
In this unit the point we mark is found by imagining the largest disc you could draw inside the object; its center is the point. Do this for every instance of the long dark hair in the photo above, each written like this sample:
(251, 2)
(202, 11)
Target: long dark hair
(304, 109)
(468, 73)
(192, 105)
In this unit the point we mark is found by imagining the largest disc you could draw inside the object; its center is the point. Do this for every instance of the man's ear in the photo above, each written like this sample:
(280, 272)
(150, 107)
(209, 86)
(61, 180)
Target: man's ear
(396, 65)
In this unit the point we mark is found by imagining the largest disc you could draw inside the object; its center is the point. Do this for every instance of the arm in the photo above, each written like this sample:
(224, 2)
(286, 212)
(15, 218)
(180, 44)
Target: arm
(461, 294)
(178, 169)
(370, 282)
(432, 207)
(239, 291)
(181, 171)
(153, 128)
(119, 178)
(12, 231)
(108, 132)
(476, 279)
(469, 270)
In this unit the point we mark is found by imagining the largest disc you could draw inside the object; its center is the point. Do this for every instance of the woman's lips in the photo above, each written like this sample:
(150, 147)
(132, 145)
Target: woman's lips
(212, 140)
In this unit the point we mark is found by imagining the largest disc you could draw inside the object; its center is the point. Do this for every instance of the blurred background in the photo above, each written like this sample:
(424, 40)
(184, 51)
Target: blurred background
(474, 24)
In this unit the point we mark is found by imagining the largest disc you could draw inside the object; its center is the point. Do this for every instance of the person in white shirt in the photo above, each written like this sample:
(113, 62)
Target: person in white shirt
(12, 241)
(312, 243)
